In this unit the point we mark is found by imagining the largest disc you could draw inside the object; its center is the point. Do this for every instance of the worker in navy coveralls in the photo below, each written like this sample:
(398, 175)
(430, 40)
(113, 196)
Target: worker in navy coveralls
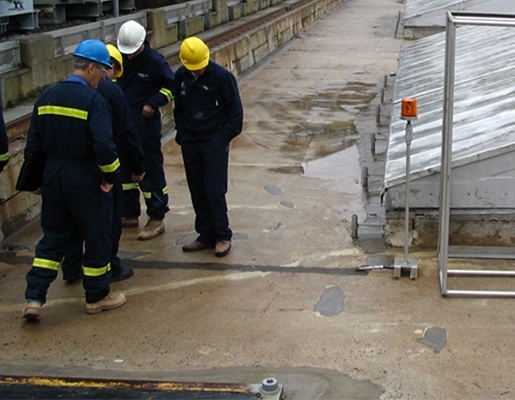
(71, 126)
(130, 153)
(208, 115)
(4, 143)
(147, 83)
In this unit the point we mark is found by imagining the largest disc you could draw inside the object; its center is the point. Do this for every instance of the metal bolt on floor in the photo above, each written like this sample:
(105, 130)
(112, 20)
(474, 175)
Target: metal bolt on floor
(270, 389)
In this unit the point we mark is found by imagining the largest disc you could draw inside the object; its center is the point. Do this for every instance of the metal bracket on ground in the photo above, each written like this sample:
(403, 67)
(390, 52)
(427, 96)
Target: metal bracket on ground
(405, 264)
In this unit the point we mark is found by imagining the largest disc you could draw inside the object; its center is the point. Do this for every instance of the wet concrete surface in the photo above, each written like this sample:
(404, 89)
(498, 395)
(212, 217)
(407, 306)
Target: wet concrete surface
(287, 301)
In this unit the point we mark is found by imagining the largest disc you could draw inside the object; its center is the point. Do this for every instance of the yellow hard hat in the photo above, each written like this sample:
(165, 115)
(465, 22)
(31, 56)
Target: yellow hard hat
(115, 53)
(194, 53)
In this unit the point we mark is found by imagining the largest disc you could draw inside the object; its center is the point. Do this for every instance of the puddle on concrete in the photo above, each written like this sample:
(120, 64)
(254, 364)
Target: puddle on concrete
(324, 143)
(319, 135)
(319, 140)
(342, 168)
(356, 96)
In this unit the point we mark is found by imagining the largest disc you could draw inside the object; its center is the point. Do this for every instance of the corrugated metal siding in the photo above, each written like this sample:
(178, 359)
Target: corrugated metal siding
(427, 13)
(484, 100)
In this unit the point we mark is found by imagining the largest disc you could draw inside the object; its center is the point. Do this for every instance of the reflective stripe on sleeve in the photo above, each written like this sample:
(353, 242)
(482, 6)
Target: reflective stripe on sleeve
(165, 190)
(88, 271)
(130, 186)
(45, 263)
(63, 111)
(167, 93)
(4, 157)
(110, 167)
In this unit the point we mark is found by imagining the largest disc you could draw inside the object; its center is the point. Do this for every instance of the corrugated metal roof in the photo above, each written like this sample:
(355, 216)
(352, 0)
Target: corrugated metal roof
(484, 100)
(427, 13)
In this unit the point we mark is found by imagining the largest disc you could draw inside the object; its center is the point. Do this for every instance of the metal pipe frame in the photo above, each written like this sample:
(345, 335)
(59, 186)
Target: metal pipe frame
(455, 19)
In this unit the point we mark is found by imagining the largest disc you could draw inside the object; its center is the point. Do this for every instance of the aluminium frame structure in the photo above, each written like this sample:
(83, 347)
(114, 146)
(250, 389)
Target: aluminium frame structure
(455, 19)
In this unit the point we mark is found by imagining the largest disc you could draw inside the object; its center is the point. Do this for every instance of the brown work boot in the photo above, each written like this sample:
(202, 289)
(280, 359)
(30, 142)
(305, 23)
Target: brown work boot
(32, 310)
(196, 246)
(222, 248)
(130, 222)
(111, 301)
(153, 228)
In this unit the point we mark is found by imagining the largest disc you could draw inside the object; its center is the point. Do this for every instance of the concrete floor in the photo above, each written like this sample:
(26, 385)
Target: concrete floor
(287, 302)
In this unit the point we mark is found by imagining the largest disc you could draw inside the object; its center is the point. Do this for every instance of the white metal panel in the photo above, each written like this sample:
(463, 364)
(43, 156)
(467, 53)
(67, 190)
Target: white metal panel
(431, 13)
(484, 108)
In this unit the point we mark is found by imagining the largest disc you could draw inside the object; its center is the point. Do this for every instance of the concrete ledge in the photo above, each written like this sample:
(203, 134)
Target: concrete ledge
(169, 33)
(191, 26)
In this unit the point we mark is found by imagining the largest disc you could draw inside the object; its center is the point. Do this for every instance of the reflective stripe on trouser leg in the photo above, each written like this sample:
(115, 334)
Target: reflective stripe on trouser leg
(98, 271)
(39, 278)
(155, 193)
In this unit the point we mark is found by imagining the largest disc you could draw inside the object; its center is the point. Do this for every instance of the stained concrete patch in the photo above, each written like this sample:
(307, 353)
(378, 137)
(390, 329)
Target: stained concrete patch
(240, 236)
(434, 337)
(331, 302)
(287, 204)
(273, 190)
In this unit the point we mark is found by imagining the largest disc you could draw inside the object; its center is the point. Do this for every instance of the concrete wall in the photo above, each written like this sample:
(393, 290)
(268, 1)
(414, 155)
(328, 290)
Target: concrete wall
(467, 228)
(238, 56)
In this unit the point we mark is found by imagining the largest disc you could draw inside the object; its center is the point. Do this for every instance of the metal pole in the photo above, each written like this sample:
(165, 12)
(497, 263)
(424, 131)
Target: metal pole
(476, 272)
(446, 154)
(409, 138)
(453, 20)
(408, 113)
(116, 8)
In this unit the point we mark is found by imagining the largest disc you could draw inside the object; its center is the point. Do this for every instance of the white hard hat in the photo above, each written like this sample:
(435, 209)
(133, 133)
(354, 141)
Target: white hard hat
(130, 37)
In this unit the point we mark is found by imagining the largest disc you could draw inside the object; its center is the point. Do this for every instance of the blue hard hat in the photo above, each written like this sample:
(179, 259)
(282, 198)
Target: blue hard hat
(94, 50)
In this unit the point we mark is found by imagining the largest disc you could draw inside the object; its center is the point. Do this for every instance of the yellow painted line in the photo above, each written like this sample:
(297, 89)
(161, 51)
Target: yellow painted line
(156, 288)
(124, 384)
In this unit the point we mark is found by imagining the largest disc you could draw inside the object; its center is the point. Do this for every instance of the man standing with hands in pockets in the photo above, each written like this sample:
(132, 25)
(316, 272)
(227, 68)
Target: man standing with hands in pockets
(208, 115)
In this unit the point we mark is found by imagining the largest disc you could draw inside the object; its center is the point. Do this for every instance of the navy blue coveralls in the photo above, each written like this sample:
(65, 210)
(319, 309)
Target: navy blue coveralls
(208, 115)
(4, 143)
(130, 154)
(147, 80)
(71, 126)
